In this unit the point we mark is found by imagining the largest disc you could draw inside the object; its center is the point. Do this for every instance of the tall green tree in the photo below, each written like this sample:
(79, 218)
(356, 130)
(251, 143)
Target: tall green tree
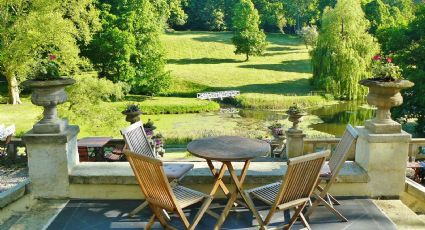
(344, 50)
(128, 49)
(410, 55)
(248, 38)
(30, 30)
(301, 12)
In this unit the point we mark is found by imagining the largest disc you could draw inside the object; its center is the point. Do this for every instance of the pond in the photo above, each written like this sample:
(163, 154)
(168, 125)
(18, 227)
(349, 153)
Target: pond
(321, 122)
(334, 117)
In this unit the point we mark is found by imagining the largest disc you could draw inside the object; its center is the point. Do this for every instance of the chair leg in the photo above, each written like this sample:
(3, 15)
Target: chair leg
(304, 221)
(251, 206)
(295, 216)
(332, 209)
(138, 209)
(161, 219)
(150, 222)
(201, 212)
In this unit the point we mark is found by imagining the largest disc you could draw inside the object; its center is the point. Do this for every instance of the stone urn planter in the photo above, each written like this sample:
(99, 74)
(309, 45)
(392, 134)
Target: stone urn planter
(49, 94)
(295, 118)
(384, 95)
(132, 117)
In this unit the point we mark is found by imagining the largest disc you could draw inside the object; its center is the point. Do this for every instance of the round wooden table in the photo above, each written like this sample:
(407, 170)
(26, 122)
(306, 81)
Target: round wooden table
(227, 149)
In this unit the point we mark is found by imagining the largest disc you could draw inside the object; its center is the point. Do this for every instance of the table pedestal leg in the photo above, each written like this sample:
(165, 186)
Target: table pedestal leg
(218, 178)
(238, 190)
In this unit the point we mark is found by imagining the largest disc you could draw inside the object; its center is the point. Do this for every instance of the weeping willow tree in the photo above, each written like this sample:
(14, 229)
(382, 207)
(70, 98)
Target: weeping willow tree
(344, 51)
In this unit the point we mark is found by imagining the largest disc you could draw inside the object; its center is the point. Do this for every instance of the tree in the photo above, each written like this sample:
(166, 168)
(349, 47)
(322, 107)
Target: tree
(128, 48)
(309, 34)
(344, 51)
(248, 38)
(30, 30)
(301, 12)
(272, 14)
(410, 55)
(385, 14)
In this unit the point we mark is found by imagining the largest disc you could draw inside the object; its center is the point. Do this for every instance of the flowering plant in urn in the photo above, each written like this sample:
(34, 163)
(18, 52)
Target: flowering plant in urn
(383, 69)
(48, 91)
(384, 93)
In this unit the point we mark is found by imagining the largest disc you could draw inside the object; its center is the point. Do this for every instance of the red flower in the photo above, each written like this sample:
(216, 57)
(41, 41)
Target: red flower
(389, 60)
(376, 58)
(52, 57)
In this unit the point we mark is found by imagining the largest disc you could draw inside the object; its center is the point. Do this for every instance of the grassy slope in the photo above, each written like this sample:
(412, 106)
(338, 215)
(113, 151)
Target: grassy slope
(202, 61)
(206, 60)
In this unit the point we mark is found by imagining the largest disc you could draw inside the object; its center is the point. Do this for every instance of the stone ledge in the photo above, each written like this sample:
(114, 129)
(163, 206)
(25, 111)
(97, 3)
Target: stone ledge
(58, 138)
(403, 137)
(120, 173)
(14, 193)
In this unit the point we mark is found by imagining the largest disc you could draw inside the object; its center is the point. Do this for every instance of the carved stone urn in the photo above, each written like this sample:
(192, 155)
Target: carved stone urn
(384, 95)
(295, 118)
(132, 117)
(49, 94)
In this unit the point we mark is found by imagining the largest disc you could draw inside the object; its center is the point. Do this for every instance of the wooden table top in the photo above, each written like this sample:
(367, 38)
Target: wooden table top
(228, 148)
(93, 142)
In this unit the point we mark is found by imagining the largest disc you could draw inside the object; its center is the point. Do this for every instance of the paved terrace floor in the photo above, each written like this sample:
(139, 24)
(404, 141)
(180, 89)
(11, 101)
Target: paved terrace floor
(112, 214)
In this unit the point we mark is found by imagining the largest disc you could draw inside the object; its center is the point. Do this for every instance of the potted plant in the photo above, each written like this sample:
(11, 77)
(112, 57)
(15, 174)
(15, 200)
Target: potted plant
(295, 114)
(277, 129)
(48, 91)
(384, 93)
(132, 113)
(149, 127)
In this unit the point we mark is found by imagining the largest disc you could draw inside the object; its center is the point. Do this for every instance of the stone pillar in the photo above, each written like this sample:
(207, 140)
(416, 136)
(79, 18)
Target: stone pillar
(294, 143)
(384, 157)
(50, 158)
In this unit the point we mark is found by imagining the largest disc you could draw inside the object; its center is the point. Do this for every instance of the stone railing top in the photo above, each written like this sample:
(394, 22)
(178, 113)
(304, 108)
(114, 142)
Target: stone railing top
(258, 173)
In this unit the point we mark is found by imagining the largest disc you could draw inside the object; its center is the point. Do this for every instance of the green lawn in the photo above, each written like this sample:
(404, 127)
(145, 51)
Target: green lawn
(201, 61)
(205, 61)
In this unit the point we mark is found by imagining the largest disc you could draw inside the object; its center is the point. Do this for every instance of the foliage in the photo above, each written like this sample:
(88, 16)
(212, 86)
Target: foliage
(248, 38)
(411, 57)
(128, 48)
(310, 35)
(47, 69)
(301, 12)
(295, 109)
(90, 90)
(30, 30)
(212, 15)
(342, 55)
(385, 14)
(131, 108)
(272, 14)
(384, 69)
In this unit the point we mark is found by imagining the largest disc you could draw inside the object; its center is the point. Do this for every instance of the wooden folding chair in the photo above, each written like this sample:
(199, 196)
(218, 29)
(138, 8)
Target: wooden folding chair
(137, 142)
(159, 193)
(293, 192)
(330, 173)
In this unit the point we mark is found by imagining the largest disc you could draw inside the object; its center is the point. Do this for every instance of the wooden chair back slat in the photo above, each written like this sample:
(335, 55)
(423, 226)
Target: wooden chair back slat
(136, 140)
(343, 149)
(152, 180)
(301, 177)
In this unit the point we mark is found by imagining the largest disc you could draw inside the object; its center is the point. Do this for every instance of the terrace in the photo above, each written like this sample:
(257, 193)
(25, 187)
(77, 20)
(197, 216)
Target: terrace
(63, 193)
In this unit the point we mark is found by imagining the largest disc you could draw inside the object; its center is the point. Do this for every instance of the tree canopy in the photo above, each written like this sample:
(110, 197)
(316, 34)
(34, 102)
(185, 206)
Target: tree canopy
(248, 38)
(128, 48)
(344, 50)
(410, 55)
(31, 30)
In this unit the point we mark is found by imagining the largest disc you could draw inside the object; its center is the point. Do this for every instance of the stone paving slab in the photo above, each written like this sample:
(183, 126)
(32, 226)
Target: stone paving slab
(112, 214)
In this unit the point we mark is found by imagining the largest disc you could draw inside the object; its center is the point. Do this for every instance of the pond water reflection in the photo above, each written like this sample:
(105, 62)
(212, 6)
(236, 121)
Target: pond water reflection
(336, 117)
